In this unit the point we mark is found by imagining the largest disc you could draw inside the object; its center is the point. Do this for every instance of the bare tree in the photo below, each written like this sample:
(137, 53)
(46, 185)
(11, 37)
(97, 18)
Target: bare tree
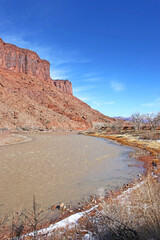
(33, 217)
(118, 125)
(152, 120)
(158, 119)
(138, 121)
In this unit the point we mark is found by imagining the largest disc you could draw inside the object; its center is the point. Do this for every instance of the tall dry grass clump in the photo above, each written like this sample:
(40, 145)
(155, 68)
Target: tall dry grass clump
(134, 216)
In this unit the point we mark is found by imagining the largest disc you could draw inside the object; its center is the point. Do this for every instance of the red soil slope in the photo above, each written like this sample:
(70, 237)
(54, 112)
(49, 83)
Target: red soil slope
(30, 99)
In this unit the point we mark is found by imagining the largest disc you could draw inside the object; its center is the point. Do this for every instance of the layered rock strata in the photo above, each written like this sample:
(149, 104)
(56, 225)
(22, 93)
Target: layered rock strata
(21, 60)
(64, 86)
(31, 100)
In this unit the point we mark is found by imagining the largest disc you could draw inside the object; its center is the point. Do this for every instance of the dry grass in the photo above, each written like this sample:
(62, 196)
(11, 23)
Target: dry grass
(135, 216)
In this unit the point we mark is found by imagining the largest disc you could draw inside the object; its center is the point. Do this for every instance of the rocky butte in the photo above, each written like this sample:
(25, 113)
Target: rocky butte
(21, 60)
(64, 86)
(30, 99)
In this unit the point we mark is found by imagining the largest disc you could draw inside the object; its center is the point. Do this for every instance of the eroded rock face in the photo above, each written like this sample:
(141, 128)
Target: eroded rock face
(31, 100)
(23, 61)
(64, 86)
(29, 103)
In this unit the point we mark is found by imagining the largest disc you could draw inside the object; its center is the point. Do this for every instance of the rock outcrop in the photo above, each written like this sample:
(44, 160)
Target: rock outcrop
(64, 86)
(22, 60)
(29, 99)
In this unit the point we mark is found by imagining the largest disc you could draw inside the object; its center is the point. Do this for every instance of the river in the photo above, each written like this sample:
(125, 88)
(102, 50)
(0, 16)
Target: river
(61, 168)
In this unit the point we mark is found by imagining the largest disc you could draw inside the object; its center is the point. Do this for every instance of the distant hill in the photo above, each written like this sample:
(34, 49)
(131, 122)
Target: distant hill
(124, 118)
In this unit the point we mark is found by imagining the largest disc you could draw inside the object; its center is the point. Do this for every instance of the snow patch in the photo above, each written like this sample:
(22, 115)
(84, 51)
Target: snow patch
(126, 193)
(69, 221)
(88, 236)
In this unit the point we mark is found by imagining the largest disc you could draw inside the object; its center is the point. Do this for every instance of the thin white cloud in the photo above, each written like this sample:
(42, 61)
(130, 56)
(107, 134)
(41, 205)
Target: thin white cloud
(91, 74)
(15, 39)
(60, 73)
(67, 60)
(68, 56)
(109, 103)
(92, 79)
(84, 99)
(98, 103)
(82, 89)
(155, 103)
(117, 86)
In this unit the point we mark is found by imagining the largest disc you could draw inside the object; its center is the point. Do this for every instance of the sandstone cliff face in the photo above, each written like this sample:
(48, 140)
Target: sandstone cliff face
(30, 103)
(22, 60)
(29, 99)
(64, 86)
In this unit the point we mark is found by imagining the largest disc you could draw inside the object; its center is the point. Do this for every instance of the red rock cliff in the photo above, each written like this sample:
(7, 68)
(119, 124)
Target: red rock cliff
(30, 99)
(64, 86)
(23, 61)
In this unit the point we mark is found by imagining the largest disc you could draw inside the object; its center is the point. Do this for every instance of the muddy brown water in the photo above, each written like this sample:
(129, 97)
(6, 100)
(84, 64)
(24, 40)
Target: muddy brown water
(61, 168)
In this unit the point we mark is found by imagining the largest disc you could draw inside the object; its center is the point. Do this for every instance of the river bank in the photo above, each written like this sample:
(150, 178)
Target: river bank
(151, 148)
(9, 138)
(133, 211)
(135, 204)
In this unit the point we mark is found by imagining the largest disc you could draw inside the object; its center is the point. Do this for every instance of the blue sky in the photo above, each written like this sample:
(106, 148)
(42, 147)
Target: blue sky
(108, 49)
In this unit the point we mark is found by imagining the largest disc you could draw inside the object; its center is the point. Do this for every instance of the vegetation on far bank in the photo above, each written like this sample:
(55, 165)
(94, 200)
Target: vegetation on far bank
(148, 124)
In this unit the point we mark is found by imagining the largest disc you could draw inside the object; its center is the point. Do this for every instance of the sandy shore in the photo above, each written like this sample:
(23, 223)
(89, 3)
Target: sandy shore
(8, 138)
